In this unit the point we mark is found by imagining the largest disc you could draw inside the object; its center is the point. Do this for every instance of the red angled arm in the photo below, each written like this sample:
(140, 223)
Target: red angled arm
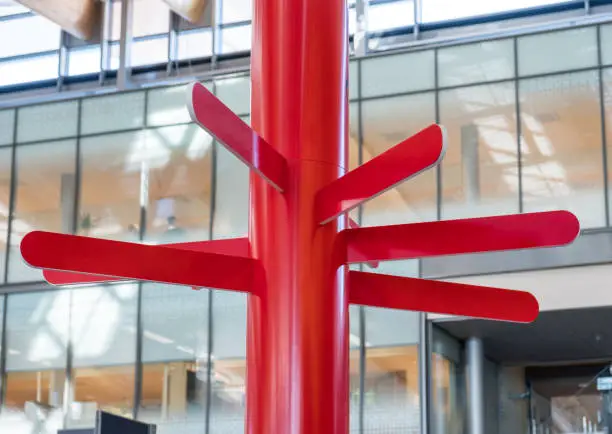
(216, 118)
(138, 261)
(234, 247)
(406, 293)
(405, 160)
(450, 237)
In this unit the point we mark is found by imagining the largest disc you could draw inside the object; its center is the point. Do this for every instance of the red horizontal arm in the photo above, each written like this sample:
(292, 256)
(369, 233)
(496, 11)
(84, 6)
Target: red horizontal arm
(233, 246)
(405, 160)
(356, 254)
(138, 261)
(222, 123)
(450, 237)
(407, 293)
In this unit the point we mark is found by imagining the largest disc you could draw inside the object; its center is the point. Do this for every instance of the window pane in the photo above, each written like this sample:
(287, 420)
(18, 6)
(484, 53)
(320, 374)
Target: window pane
(195, 44)
(353, 74)
(231, 217)
(397, 74)
(10, 7)
(113, 113)
(236, 10)
(229, 363)
(561, 146)
(387, 122)
(484, 61)
(606, 44)
(166, 106)
(443, 10)
(47, 121)
(84, 60)
(607, 83)
(7, 123)
(392, 370)
(235, 39)
(45, 198)
(353, 138)
(355, 344)
(179, 160)
(111, 172)
(103, 336)
(150, 52)
(32, 34)
(5, 193)
(151, 17)
(390, 15)
(541, 53)
(175, 356)
(235, 92)
(29, 70)
(36, 339)
(480, 168)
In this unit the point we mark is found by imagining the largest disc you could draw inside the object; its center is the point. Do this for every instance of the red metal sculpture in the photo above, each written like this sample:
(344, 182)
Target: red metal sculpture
(293, 263)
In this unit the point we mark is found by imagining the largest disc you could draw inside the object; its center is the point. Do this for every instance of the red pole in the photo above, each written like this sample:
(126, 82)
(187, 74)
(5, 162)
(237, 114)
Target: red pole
(297, 343)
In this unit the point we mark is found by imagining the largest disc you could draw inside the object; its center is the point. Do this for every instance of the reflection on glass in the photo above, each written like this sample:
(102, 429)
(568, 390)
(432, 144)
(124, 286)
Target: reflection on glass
(354, 369)
(228, 363)
(103, 336)
(179, 164)
(387, 122)
(5, 191)
(561, 146)
(111, 170)
(36, 340)
(45, 198)
(392, 372)
(480, 168)
(607, 85)
(175, 357)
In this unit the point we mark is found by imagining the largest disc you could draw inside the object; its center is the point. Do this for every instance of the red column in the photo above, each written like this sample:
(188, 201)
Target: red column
(297, 343)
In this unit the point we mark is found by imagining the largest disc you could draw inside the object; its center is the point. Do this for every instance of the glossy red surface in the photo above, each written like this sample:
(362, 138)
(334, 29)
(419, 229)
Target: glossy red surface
(216, 118)
(233, 246)
(441, 297)
(450, 237)
(137, 261)
(297, 342)
(403, 161)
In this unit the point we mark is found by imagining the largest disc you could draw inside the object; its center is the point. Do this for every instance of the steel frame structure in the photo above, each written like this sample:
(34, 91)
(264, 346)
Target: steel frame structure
(294, 262)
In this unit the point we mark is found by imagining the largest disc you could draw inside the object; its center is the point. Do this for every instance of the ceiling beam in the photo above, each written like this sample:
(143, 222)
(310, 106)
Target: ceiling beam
(191, 10)
(80, 18)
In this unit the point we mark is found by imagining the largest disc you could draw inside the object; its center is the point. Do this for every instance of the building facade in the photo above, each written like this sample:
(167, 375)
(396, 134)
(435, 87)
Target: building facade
(529, 120)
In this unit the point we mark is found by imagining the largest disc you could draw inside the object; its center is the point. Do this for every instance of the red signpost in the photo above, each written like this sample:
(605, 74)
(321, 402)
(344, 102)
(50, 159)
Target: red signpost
(293, 263)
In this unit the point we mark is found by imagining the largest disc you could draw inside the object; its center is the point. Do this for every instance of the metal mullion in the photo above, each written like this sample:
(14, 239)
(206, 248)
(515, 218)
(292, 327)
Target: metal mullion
(3, 352)
(424, 373)
(62, 62)
(519, 127)
(604, 139)
(173, 43)
(105, 37)
(217, 6)
(12, 196)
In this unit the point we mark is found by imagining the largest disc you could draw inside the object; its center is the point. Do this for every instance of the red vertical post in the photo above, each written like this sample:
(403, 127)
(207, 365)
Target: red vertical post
(297, 337)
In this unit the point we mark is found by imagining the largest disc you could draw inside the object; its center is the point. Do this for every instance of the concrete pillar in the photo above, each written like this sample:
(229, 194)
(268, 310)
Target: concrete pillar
(475, 386)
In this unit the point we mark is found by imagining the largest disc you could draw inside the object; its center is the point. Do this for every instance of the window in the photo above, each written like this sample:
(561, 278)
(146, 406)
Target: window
(84, 60)
(113, 113)
(36, 357)
(28, 35)
(444, 10)
(474, 63)
(7, 124)
(607, 84)
(480, 168)
(401, 73)
(228, 363)
(47, 121)
(113, 167)
(392, 370)
(166, 106)
(103, 336)
(354, 365)
(606, 44)
(561, 146)
(44, 199)
(235, 92)
(5, 193)
(233, 11)
(151, 17)
(179, 164)
(235, 39)
(195, 44)
(387, 15)
(175, 357)
(29, 69)
(557, 51)
(387, 122)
